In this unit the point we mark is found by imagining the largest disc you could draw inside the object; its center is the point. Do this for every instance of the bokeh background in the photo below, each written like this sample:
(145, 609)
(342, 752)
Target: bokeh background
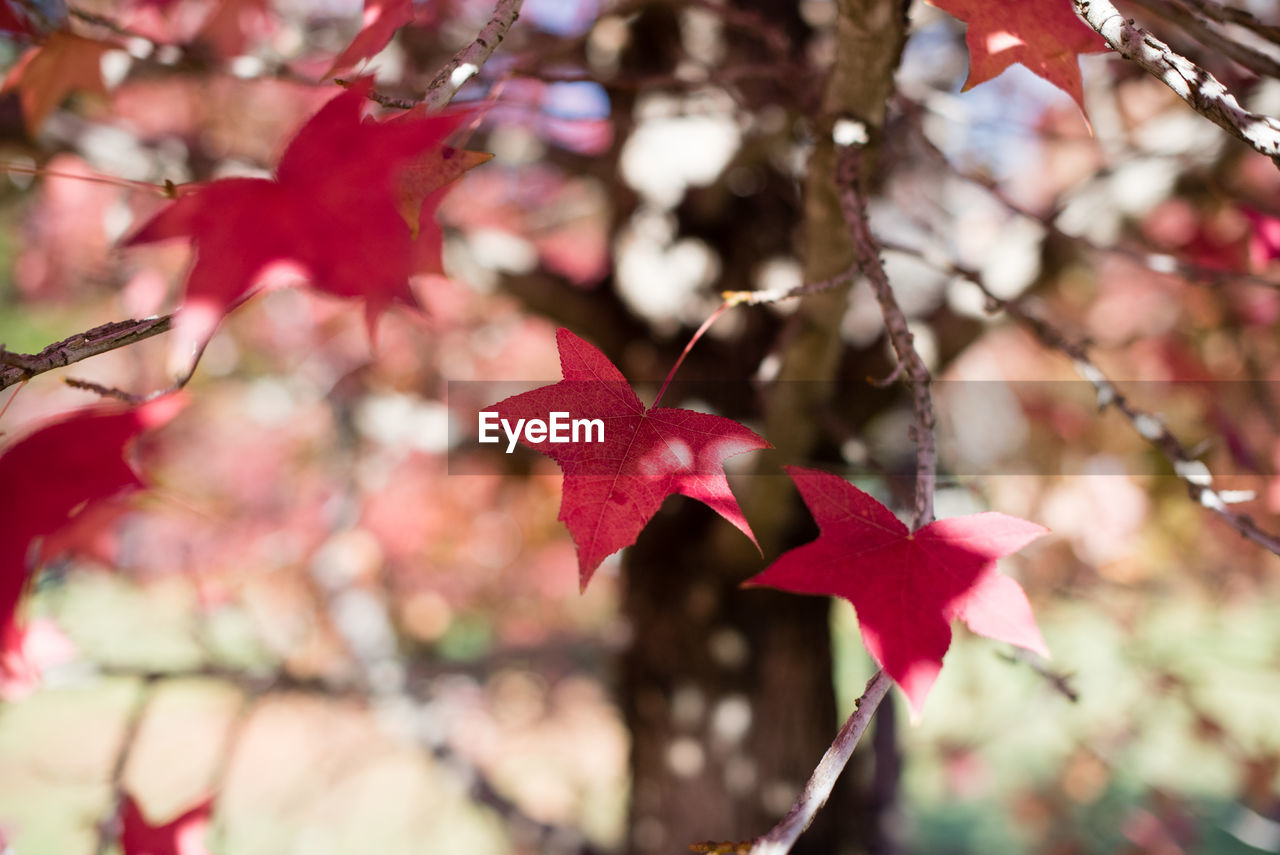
(358, 632)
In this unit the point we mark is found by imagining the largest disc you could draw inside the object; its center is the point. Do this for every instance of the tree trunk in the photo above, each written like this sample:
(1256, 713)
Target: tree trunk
(728, 692)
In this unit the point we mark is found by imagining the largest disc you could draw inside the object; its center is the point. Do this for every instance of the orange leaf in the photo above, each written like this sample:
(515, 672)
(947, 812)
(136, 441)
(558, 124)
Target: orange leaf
(47, 74)
(426, 174)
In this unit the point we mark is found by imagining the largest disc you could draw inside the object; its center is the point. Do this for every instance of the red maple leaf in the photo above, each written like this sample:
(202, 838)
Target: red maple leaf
(1044, 35)
(381, 20)
(612, 488)
(183, 835)
(49, 476)
(908, 586)
(332, 209)
(45, 75)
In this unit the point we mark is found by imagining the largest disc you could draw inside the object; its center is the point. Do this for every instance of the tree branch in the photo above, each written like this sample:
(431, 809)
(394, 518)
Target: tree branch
(467, 61)
(1201, 90)
(1239, 17)
(818, 788)
(17, 367)
(850, 179)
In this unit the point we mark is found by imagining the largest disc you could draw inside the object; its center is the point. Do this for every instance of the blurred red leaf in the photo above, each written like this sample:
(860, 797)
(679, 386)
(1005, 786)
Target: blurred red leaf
(908, 586)
(26, 653)
(333, 208)
(45, 75)
(614, 487)
(1044, 35)
(49, 476)
(381, 20)
(183, 835)
(15, 18)
(1264, 238)
(92, 534)
(233, 24)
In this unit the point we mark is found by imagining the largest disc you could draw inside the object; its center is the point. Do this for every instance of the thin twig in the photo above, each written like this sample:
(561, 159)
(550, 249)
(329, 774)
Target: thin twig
(1239, 17)
(109, 827)
(818, 788)
(16, 367)
(1151, 427)
(756, 298)
(1203, 92)
(1060, 681)
(112, 392)
(106, 23)
(849, 179)
(852, 200)
(1154, 260)
(1202, 31)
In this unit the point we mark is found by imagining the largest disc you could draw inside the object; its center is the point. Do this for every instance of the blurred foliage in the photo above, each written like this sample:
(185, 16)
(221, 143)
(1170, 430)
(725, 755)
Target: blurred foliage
(364, 636)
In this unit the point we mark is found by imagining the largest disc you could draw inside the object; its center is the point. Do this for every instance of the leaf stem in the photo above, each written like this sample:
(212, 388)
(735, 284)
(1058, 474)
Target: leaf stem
(706, 325)
(7, 403)
(110, 180)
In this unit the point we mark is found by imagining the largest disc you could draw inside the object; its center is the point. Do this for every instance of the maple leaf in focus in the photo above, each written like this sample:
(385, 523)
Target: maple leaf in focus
(183, 835)
(908, 586)
(381, 20)
(613, 488)
(332, 209)
(46, 74)
(49, 476)
(1044, 35)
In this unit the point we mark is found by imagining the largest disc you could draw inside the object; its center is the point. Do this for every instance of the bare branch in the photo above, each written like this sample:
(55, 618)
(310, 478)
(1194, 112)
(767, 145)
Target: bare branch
(17, 367)
(818, 788)
(1201, 90)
